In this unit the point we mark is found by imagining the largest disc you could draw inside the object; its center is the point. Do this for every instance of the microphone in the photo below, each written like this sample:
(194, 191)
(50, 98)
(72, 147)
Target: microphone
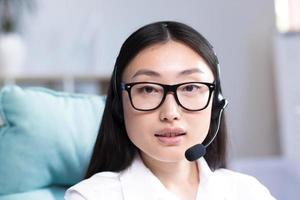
(197, 151)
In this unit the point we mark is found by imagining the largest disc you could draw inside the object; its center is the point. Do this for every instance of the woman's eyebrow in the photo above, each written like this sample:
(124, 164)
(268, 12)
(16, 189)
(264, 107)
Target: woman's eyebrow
(145, 72)
(190, 71)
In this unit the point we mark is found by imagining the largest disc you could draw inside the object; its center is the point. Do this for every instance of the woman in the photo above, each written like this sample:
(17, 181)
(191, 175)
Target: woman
(164, 98)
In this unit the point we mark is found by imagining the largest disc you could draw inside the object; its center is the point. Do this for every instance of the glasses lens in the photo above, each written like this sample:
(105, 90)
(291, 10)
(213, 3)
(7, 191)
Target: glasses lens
(193, 96)
(146, 96)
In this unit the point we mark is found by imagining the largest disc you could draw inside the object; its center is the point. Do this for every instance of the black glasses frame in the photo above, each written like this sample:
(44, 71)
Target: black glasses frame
(167, 89)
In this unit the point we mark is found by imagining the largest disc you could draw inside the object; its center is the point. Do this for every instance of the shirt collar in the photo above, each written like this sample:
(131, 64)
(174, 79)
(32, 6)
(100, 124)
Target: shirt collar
(139, 182)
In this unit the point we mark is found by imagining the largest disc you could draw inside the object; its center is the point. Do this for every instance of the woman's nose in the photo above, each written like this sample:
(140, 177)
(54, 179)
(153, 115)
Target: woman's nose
(170, 110)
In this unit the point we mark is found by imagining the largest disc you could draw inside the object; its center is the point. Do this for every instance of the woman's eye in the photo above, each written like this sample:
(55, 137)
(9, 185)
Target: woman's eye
(147, 89)
(191, 88)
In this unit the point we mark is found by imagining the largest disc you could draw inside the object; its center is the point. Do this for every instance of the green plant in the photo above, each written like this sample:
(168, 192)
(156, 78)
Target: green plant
(11, 11)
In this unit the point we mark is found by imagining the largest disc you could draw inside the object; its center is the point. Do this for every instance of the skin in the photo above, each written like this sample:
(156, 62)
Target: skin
(168, 63)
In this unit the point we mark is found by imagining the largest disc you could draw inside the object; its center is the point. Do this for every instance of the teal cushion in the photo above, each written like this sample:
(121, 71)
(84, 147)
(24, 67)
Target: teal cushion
(52, 193)
(46, 137)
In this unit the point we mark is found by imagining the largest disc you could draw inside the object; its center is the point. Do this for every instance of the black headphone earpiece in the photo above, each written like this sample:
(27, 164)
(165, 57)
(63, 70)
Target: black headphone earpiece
(219, 105)
(221, 102)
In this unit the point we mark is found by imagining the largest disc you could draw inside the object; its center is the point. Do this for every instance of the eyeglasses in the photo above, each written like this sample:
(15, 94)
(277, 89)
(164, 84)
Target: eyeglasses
(148, 96)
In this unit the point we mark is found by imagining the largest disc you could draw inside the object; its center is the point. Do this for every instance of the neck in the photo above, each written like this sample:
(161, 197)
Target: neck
(173, 174)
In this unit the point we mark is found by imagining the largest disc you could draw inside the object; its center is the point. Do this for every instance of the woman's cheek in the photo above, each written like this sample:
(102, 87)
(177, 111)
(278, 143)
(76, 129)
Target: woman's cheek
(199, 124)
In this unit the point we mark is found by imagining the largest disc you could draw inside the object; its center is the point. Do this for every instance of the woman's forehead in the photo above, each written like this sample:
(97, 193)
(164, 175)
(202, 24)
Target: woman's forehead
(168, 59)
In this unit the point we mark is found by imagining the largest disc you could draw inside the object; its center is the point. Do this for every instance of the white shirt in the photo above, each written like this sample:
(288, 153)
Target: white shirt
(137, 182)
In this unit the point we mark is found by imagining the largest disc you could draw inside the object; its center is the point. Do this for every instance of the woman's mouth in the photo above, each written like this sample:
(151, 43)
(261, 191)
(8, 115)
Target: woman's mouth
(170, 137)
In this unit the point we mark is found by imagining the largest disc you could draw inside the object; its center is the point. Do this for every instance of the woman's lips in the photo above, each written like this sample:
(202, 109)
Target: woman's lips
(170, 136)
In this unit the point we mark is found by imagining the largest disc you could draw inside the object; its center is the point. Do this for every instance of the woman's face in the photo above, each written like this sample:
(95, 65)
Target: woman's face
(167, 132)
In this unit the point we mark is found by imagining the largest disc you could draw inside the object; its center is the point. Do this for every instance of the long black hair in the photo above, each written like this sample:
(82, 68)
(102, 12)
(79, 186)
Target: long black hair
(113, 150)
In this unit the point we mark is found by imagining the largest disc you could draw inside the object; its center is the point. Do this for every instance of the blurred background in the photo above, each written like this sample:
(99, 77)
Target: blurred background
(71, 45)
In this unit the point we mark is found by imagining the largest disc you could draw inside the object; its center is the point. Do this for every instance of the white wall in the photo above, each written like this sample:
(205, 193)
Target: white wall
(75, 30)
(287, 53)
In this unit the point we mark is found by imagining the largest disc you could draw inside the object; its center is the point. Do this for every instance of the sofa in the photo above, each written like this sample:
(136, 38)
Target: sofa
(46, 140)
